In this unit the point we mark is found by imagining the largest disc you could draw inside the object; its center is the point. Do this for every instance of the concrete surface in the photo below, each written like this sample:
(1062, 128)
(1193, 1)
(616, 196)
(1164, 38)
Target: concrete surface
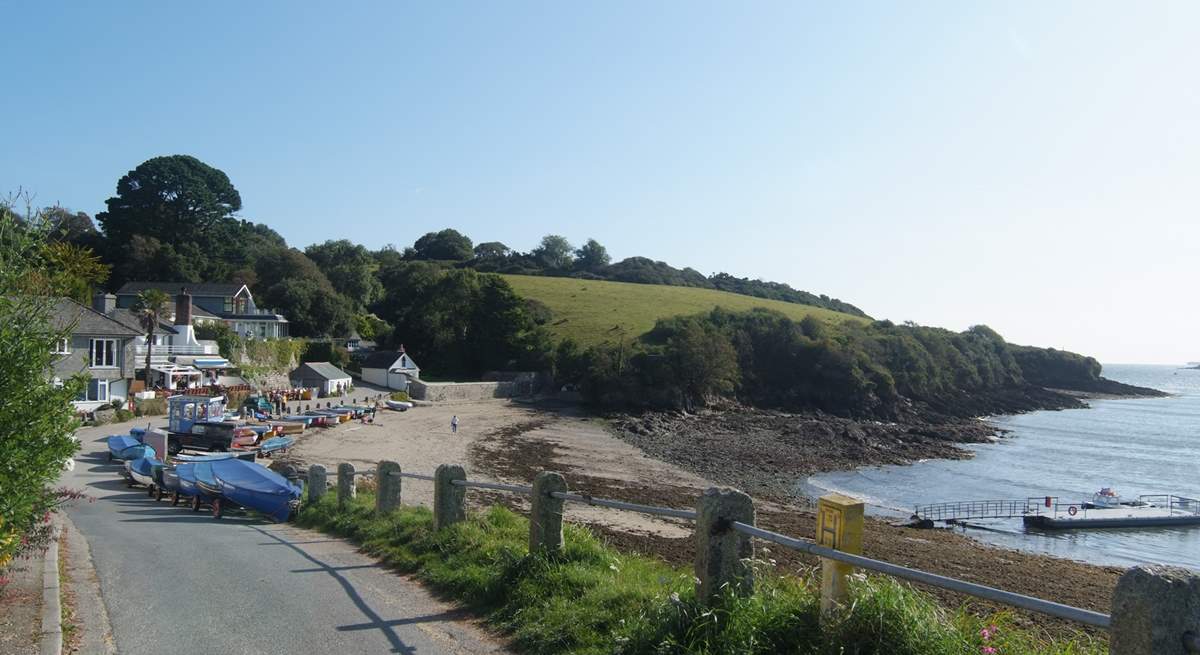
(174, 581)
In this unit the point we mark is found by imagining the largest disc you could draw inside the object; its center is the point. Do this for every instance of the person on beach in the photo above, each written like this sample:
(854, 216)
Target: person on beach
(454, 424)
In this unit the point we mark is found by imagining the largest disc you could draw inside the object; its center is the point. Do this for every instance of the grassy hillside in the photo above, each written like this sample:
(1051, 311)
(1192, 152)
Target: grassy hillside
(592, 312)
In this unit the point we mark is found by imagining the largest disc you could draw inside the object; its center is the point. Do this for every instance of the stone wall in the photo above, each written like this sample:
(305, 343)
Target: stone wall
(444, 391)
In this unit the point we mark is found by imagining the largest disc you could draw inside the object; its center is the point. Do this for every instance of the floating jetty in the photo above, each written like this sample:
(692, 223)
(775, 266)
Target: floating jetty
(1105, 510)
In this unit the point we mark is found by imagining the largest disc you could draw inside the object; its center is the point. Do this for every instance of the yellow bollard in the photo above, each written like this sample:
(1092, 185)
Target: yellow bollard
(839, 526)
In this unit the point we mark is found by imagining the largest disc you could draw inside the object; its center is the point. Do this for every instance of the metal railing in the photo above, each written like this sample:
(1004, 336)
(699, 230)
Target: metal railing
(1087, 617)
(168, 350)
(973, 509)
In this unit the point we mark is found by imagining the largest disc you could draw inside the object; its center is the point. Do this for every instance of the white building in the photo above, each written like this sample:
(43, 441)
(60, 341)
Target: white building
(392, 369)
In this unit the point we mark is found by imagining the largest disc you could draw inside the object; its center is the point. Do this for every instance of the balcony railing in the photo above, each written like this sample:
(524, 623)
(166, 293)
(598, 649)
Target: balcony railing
(166, 351)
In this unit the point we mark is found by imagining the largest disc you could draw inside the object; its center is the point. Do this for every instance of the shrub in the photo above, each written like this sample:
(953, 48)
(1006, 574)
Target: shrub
(123, 415)
(400, 396)
(150, 407)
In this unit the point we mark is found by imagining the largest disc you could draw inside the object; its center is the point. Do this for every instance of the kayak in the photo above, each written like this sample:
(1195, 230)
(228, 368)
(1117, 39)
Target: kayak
(123, 446)
(276, 443)
(254, 487)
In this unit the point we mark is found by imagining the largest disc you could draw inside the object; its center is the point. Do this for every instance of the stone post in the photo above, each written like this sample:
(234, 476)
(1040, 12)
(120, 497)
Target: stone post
(840, 527)
(387, 494)
(546, 516)
(449, 499)
(721, 551)
(316, 482)
(345, 483)
(1154, 608)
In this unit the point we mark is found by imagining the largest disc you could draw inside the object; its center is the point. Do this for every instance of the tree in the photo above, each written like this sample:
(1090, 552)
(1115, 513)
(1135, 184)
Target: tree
(491, 251)
(554, 253)
(703, 361)
(36, 418)
(74, 270)
(591, 257)
(447, 244)
(172, 199)
(149, 308)
(73, 227)
(350, 269)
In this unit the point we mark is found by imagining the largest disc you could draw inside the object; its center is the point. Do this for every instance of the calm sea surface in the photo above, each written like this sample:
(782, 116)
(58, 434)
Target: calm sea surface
(1141, 446)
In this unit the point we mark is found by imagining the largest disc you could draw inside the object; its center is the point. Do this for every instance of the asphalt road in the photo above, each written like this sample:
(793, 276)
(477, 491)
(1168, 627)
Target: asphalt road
(178, 582)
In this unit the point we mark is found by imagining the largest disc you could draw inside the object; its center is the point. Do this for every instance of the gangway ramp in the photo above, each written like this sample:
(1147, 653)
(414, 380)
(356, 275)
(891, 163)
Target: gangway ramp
(966, 510)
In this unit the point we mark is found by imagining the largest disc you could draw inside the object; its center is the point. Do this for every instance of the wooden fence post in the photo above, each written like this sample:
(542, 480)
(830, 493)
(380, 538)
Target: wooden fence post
(345, 483)
(1155, 611)
(317, 483)
(387, 494)
(546, 515)
(721, 551)
(449, 499)
(840, 527)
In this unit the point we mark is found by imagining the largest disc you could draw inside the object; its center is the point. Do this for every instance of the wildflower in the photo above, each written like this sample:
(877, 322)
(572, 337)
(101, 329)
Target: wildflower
(988, 650)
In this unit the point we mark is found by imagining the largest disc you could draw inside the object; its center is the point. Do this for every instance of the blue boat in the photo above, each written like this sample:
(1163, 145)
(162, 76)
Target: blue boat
(123, 446)
(254, 487)
(275, 443)
(142, 471)
(299, 418)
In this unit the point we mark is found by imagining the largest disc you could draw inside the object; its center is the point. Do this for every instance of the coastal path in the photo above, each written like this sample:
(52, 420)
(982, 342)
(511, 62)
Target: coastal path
(179, 582)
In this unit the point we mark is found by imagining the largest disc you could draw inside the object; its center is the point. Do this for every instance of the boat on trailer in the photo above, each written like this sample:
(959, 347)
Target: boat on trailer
(125, 447)
(255, 487)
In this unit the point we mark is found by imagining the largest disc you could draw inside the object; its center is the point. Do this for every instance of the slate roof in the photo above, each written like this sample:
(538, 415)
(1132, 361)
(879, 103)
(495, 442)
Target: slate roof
(88, 321)
(381, 359)
(130, 320)
(172, 288)
(324, 370)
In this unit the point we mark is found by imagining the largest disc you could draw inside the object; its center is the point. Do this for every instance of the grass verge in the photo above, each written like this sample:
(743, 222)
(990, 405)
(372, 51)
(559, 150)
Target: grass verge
(593, 599)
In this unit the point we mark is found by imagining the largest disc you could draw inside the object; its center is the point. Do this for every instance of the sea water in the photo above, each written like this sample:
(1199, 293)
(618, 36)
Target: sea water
(1137, 446)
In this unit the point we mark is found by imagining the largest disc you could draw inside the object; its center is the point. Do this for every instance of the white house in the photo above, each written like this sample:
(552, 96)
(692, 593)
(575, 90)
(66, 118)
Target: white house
(392, 369)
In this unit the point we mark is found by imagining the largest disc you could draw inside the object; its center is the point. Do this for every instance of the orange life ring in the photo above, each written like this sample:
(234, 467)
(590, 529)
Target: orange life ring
(1072, 510)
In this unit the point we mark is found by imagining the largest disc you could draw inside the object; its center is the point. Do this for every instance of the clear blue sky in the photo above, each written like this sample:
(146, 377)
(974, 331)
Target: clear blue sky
(1028, 165)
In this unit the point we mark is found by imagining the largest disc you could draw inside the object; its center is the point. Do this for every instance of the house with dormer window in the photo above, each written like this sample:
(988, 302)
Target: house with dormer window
(232, 304)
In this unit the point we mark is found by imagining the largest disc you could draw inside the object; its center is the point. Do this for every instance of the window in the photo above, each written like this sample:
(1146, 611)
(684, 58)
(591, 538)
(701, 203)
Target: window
(104, 354)
(61, 347)
(227, 306)
(97, 391)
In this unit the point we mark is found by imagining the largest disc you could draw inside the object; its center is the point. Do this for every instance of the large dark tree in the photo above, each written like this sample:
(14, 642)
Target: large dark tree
(447, 244)
(290, 283)
(349, 267)
(172, 199)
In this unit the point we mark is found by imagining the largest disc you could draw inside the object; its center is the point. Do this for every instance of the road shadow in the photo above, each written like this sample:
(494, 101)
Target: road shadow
(374, 620)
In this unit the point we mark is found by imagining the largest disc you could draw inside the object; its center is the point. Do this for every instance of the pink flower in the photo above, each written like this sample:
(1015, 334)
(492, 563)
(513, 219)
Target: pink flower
(988, 650)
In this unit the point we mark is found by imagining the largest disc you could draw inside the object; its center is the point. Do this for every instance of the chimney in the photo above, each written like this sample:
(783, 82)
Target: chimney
(401, 349)
(183, 307)
(104, 302)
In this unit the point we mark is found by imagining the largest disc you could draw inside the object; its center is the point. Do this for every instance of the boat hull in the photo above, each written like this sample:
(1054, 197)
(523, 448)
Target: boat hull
(256, 487)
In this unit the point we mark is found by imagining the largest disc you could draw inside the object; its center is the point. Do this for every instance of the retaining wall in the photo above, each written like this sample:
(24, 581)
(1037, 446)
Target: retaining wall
(443, 391)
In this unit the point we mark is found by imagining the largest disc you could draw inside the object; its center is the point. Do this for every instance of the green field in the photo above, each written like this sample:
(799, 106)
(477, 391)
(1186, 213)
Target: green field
(593, 312)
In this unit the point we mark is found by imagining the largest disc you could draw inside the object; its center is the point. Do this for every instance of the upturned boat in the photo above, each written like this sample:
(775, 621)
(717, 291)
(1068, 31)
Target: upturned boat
(398, 405)
(275, 444)
(125, 447)
(253, 487)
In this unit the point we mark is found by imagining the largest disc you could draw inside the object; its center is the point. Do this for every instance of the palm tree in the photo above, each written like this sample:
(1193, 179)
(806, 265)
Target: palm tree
(149, 307)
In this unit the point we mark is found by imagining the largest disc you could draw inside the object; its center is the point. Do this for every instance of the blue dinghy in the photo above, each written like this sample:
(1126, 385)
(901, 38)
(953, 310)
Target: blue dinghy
(143, 471)
(123, 446)
(299, 418)
(276, 443)
(255, 487)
